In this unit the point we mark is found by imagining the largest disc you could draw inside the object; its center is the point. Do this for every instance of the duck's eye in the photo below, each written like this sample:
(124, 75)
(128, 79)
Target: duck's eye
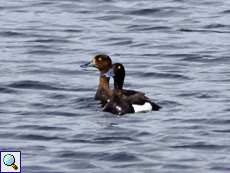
(119, 67)
(99, 59)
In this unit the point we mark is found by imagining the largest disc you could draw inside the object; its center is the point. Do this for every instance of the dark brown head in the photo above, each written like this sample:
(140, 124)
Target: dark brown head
(101, 62)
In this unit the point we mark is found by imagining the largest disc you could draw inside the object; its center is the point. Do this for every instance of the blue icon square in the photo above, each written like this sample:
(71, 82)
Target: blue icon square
(10, 161)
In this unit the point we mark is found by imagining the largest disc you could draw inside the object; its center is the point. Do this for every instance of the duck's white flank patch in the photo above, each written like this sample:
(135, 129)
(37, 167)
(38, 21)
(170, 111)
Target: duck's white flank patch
(140, 108)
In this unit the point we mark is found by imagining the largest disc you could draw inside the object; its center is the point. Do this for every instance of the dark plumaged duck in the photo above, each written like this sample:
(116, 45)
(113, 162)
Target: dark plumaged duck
(119, 105)
(103, 64)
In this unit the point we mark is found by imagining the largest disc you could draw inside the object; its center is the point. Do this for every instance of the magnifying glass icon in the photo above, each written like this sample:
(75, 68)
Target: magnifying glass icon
(9, 160)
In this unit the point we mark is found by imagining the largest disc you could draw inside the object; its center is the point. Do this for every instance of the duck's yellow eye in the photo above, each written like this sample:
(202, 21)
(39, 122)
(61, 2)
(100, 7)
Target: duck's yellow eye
(99, 59)
(119, 67)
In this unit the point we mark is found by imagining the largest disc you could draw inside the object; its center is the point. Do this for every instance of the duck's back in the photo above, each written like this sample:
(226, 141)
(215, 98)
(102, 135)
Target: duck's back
(133, 94)
(105, 94)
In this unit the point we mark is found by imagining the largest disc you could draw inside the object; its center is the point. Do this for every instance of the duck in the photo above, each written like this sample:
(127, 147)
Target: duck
(103, 63)
(121, 105)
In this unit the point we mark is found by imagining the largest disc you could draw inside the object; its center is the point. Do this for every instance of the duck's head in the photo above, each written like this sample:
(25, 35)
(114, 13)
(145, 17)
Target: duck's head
(101, 62)
(117, 71)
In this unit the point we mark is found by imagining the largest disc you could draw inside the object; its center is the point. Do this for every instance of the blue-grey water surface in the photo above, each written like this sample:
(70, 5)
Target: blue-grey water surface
(176, 51)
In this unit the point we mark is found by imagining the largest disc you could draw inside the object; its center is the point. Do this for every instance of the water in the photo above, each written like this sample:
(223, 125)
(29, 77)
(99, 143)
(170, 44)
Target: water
(175, 51)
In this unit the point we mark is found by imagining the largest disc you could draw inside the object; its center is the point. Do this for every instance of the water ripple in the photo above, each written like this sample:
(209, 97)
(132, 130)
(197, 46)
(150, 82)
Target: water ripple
(145, 11)
(43, 52)
(146, 28)
(37, 137)
(220, 168)
(36, 127)
(226, 12)
(50, 41)
(178, 166)
(32, 85)
(163, 75)
(215, 25)
(7, 90)
(116, 157)
(12, 34)
(202, 146)
(81, 165)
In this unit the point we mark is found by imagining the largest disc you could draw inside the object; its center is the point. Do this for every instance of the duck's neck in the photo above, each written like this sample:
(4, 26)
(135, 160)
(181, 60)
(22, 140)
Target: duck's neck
(118, 84)
(103, 81)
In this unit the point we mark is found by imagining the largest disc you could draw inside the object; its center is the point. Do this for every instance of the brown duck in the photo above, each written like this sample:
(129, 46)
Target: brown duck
(103, 63)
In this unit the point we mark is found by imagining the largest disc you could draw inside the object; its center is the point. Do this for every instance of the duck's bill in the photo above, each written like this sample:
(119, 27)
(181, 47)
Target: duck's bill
(89, 64)
(110, 73)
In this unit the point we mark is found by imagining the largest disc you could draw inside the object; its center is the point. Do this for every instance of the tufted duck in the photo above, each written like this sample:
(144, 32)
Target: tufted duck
(119, 105)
